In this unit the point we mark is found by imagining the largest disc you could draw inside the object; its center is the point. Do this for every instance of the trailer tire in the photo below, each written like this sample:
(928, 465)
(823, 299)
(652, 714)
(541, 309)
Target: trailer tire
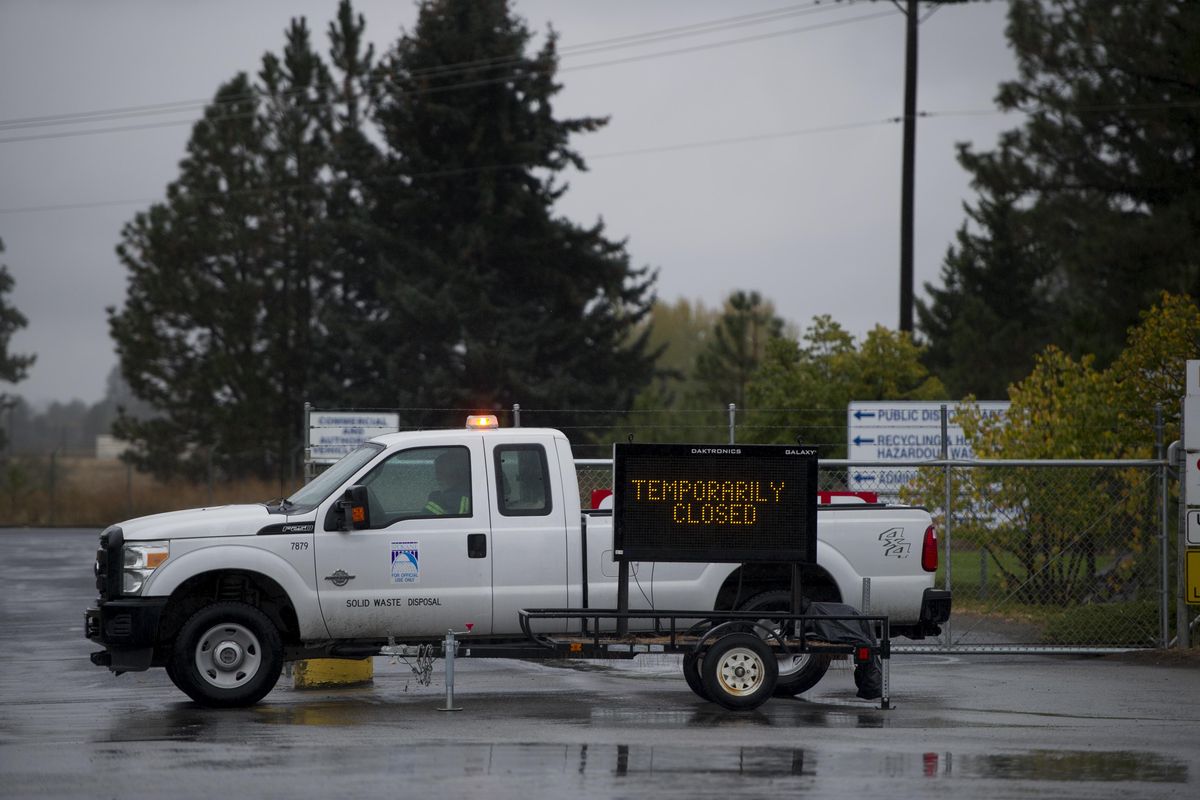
(227, 655)
(693, 665)
(739, 671)
(798, 672)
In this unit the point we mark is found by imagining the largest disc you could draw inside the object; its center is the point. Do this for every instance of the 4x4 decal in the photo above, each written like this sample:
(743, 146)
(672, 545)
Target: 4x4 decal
(894, 543)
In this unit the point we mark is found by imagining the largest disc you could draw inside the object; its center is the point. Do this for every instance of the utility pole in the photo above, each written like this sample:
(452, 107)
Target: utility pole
(911, 10)
(908, 169)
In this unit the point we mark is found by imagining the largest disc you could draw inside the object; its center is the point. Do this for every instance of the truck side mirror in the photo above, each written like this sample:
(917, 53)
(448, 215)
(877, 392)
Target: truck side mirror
(355, 510)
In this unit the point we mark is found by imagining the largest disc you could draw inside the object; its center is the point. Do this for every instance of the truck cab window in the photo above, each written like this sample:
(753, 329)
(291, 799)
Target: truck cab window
(522, 478)
(420, 483)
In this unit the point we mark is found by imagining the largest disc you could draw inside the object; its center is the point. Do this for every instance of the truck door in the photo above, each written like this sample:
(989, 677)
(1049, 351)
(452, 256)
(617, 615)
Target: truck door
(529, 531)
(425, 564)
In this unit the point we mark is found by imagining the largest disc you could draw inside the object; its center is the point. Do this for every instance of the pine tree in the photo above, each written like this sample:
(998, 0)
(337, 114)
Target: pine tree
(1102, 177)
(226, 277)
(13, 367)
(738, 344)
(997, 306)
(487, 297)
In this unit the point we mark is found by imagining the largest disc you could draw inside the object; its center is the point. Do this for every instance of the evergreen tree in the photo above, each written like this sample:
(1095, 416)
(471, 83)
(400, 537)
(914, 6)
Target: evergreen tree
(487, 297)
(344, 329)
(226, 277)
(1102, 177)
(13, 367)
(996, 308)
(737, 346)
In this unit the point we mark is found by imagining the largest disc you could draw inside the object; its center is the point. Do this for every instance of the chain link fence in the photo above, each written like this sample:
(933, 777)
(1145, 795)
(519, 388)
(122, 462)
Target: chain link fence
(1047, 555)
(1064, 554)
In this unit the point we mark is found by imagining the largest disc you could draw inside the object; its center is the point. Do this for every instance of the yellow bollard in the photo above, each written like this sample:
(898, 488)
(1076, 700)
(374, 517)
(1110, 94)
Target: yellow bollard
(325, 673)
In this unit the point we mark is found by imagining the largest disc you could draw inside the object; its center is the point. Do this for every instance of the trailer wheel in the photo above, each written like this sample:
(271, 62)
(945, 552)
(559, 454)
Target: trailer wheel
(693, 665)
(739, 671)
(799, 672)
(227, 655)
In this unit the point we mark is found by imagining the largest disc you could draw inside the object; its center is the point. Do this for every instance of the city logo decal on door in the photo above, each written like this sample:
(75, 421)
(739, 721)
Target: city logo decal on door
(406, 562)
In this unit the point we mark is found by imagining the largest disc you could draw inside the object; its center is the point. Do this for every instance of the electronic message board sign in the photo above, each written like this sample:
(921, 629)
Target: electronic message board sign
(720, 503)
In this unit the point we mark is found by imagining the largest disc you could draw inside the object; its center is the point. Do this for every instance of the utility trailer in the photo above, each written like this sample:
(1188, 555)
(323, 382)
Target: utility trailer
(730, 658)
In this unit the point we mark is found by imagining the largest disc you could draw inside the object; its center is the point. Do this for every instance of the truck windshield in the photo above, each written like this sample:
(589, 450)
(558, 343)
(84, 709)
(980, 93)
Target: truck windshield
(323, 485)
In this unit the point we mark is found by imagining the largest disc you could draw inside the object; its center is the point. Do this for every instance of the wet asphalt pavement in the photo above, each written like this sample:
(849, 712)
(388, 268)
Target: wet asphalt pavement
(963, 727)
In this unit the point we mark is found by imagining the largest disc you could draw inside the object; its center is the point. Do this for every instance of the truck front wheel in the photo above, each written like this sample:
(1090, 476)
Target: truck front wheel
(739, 671)
(227, 655)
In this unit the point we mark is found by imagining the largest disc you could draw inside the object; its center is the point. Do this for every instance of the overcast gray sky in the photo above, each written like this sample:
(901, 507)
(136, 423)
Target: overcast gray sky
(809, 217)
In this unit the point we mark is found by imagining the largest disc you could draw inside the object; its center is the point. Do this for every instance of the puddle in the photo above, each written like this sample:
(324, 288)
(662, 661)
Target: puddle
(1062, 765)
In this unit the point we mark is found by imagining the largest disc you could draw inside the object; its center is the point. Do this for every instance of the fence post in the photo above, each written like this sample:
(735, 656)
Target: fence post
(210, 476)
(949, 512)
(1183, 631)
(516, 415)
(732, 422)
(53, 484)
(128, 490)
(308, 465)
(1163, 571)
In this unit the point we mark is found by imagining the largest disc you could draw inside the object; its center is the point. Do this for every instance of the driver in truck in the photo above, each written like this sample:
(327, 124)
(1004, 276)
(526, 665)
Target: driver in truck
(453, 495)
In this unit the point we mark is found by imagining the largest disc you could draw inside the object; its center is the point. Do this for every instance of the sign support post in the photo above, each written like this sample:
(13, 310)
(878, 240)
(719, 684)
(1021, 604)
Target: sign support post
(622, 595)
(1188, 565)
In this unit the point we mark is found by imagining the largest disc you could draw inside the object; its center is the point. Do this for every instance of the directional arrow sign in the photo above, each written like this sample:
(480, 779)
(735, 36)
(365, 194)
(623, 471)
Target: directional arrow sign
(907, 433)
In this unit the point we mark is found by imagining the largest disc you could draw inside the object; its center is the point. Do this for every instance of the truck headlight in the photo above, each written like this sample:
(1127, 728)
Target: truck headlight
(139, 560)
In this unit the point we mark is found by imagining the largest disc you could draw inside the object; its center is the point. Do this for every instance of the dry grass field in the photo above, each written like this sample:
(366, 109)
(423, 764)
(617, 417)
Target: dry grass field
(88, 492)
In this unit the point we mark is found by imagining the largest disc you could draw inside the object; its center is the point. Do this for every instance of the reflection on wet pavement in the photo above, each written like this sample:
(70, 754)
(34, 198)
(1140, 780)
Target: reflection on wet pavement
(962, 728)
(1060, 765)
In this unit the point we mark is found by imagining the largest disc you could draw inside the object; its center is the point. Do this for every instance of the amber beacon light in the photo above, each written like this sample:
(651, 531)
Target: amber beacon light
(482, 421)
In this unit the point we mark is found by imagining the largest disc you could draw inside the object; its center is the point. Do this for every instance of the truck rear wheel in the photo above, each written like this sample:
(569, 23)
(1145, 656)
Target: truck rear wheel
(798, 672)
(739, 671)
(693, 664)
(227, 655)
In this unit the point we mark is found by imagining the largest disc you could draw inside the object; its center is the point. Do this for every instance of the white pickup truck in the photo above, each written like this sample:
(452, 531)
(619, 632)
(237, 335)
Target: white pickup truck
(413, 534)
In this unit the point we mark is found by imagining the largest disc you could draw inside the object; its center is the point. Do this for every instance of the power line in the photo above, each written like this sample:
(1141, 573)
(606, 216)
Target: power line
(468, 84)
(472, 170)
(33, 137)
(677, 147)
(587, 48)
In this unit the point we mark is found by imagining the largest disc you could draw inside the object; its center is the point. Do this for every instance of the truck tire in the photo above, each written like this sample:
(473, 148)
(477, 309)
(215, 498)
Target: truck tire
(227, 655)
(692, 667)
(797, 673)
(739, 671)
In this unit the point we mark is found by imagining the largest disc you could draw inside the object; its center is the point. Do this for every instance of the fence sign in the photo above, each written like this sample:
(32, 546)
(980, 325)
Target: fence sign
(333, 434)
(715, 502)
(904, 431)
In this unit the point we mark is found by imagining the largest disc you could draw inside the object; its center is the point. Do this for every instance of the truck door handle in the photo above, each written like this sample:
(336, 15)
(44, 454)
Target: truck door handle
(477, 545)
